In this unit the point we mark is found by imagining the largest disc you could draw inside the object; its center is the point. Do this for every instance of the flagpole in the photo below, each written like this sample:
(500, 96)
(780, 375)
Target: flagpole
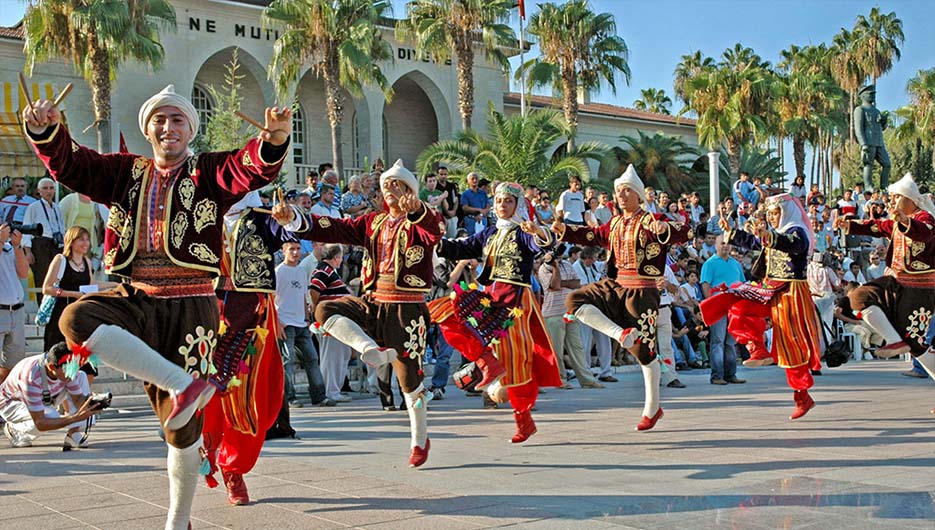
(522, 60)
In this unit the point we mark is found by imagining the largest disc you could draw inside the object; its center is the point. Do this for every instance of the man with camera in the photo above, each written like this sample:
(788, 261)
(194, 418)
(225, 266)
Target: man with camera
(41, 248)
(37, 385)
(13, 268)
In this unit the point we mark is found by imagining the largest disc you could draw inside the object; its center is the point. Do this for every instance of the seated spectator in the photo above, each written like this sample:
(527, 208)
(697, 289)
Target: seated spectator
(354, 203)
(854, 274)
(29, 398)
(544, 212)
(877, 267)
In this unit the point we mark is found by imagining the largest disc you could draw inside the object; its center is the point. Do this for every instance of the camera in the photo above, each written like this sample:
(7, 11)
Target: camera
(27, 230)
(101, 401)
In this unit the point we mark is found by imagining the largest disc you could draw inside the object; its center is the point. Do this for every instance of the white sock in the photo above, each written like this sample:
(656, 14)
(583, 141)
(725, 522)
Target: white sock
(874, 317)
(651, 374)
(927, 360)
(126, 352)
(183, 466)
(591, 316)
(418, 418)
(348, 332)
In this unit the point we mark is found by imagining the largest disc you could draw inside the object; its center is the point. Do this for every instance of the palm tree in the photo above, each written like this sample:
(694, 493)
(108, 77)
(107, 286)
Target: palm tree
(340, 41)
(579, 48)
(516, 148)
(663, 161)
(690, 66)
(97, 36)
(440, 26)
(730, 101)
(847, 72)
(653, 100)
(919, 115)
(878, 38)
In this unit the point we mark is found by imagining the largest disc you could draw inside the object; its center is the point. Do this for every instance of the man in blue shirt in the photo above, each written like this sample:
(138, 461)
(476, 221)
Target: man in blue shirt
(721, 269)
(474, 203)
(746, 191)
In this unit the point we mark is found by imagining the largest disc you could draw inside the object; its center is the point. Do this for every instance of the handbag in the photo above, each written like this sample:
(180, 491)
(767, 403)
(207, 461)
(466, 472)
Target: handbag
(467, 377)
(48, 302)
(836, 352)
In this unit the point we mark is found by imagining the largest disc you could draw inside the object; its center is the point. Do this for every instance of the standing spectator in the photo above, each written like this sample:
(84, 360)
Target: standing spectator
(354, 203)
(474, 203)
(605, 210)
(326, 206)
(544, 212)
(291, 292)
(696, 210)
(326, 284)
(721, 269)
(570, 207)
(13, 268)
(450, 204)
(431, 195)
(311, 179)
(41, 249)
(75, 268)
(588, 273)
(797, 189)
(668, 290)
(79, 210)
(589, 217)
(330, 176)
(651, 205)
(13, 207)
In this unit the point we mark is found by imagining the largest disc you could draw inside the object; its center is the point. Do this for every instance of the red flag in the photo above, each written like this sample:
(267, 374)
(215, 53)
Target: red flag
(123, 144)
(522, 10)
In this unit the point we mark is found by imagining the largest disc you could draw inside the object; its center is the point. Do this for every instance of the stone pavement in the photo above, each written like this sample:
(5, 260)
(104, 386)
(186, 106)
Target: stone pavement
(723, 457)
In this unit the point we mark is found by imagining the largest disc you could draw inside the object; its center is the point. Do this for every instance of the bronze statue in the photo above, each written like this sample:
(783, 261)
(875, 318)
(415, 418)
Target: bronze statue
(868, 127)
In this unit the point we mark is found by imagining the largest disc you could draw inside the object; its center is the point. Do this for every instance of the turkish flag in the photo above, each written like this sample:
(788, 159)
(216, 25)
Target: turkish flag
(522, 9)
(123, 144)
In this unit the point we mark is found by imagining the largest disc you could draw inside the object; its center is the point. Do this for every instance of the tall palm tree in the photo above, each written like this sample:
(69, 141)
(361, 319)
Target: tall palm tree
(663, 161)
(690, 66)
(653, 100)
(878, 38)
(579, 48)
(442, 26)
(847, 72)
(516, 148)
(97, 36)
(340, 41)
(919, 115)
(730, 101)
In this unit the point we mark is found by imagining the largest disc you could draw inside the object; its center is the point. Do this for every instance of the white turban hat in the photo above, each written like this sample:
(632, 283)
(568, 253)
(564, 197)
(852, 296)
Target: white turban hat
(168, 98)
(399, 172)
(908, 188)
(631, 180)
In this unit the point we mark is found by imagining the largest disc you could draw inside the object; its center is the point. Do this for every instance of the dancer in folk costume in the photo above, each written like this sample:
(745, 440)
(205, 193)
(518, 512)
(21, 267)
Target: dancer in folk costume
(247, 364)
(782, 294)
(164, 232)
(904, 297)
(625, 305)
(388, 323)
(502, 324)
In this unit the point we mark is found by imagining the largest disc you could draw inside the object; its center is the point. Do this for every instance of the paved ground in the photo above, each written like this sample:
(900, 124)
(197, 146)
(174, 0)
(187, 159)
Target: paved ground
(723, 457)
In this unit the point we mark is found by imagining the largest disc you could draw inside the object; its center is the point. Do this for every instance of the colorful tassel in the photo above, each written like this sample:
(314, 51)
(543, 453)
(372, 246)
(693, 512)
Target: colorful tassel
(211, 369)
(243, 368)
(261, 333)
(472, 321)
(205, 468)
(485, 302)
(222, 329)
(233, 382)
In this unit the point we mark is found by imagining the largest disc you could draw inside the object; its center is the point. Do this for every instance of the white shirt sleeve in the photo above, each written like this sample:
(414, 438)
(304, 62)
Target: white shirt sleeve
(29, 218)
(561, 202)
(579, 270)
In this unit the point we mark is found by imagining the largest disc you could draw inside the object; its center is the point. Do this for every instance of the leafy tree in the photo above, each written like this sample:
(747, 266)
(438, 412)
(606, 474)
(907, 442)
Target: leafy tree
(919, 116)
(663, 161)
(690, 66)
(224, 130)
(877, 38)
(653, 100)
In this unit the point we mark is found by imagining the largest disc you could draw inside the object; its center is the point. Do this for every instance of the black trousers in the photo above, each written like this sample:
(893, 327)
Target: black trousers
(43, 250)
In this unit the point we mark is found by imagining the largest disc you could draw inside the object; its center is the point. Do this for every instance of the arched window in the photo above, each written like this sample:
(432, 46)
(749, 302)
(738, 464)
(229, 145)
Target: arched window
(202, 102)
(298, 136)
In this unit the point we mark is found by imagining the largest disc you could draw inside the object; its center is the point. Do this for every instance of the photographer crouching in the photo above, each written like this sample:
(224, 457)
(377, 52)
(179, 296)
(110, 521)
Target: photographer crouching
(37, 386)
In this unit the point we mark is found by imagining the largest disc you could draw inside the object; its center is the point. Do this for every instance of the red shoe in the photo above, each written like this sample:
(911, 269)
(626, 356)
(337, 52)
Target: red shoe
(418, 456)
(892, 350)
(236, 489)
(184, 405)
(648, 423)
(525, 427)
(803, 404)
(491, 369)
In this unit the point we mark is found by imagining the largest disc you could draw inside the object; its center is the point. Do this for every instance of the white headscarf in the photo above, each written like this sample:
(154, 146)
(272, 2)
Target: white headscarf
(793, 215)
(908, 188)
(168, 98)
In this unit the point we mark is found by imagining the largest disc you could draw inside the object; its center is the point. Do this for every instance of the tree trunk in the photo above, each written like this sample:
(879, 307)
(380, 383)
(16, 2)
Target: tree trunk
(733, 159)
(850, 118)
(798, 153)
(334, 101)
(466, 82)
(570, 105)
(811, 173)
(100, 94)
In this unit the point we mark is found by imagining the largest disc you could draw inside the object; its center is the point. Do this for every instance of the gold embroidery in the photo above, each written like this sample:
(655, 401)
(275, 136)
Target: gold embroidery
(324, 222)
(639, 257)
(134, 191)
(117, 218)
(653, 250)
(109, 257)
(653, 271)
(414, 255)
(919, 266)
(187, 192)
(193, 166)
(250, 257)
(206, 214)
(202, 252)
(247, 161)
(140, 165)
(874, 228)
(919, 324)
(415, 281)
(74, 146)
(647, 220)
(198, 351)
(377, 223)
(916, 247)
(778, 264)
(643, 238)
(179, 226)
(126, 235)
(589, 236)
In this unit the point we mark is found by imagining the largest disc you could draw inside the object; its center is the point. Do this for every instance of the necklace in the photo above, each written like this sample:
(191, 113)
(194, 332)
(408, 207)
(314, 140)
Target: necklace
(79, 266)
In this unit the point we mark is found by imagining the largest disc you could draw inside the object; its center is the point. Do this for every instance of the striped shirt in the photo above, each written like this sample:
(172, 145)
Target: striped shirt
(328, 283)
(25, 384)
(553, 304)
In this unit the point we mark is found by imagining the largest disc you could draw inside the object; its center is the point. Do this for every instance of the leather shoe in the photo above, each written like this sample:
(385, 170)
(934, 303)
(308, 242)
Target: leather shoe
(675, 383)
(696, 365)
(735, 381)
(913, 373)
(595, 384)
(236, 489)
(718, 382)
(647, 423)
(418, 456)
(608, 379)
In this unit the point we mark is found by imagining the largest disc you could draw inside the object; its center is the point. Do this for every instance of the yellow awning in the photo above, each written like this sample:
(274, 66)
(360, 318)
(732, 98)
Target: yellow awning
(16, 156)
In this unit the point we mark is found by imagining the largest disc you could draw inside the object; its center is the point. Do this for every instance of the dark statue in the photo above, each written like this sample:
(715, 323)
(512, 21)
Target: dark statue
(868, 128)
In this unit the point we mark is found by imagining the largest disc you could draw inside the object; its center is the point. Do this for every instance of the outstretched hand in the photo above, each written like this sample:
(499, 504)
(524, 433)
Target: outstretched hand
(660, 227)
(532, 228)
(282, 211)
(40, 116)
(278, 127)
(558, 227)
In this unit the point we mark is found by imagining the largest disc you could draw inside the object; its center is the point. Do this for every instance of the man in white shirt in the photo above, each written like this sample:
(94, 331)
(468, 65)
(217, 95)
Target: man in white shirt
(291, 304)
(326, 206)
(41, 249)
(570, 205)
(13, 268)
(877, 267)
(854, 274)
(822, 282)
(588, 273)
(13, 207)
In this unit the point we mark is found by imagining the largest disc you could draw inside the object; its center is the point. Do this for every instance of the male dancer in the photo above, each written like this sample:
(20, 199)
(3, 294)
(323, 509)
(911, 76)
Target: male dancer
(247, 364)
(397, 274)
(164, 233)
(625, 305)
(904, 298)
